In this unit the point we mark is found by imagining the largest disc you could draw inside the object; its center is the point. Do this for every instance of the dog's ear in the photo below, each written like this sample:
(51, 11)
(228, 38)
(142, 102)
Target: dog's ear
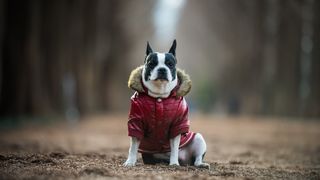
(149, 50)
(173, 48)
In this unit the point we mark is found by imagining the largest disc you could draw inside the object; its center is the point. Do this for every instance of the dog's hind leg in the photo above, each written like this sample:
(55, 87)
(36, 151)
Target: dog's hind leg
(198, 149)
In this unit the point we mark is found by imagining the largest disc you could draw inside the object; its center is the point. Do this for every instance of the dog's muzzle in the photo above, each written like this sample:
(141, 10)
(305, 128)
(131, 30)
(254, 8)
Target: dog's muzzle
(162, 74)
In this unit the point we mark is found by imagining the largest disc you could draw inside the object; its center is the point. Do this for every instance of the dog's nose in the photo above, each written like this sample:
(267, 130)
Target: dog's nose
(162, 71)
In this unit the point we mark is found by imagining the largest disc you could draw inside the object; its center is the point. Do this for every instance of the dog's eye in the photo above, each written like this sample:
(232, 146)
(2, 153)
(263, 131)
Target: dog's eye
(152, 63)
(170, 64)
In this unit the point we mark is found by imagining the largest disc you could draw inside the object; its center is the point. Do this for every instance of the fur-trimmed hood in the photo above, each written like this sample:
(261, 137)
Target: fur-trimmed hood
(135, 81)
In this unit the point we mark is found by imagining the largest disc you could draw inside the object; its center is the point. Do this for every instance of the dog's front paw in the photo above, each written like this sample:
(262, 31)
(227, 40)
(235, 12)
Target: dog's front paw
(129, 163)
(203, 165)
(174, 164)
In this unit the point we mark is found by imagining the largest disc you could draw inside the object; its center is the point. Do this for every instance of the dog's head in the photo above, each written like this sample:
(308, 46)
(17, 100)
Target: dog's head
(159, 73)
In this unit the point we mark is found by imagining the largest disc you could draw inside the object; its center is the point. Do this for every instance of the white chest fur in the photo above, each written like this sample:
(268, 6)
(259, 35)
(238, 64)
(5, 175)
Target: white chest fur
(160, 88)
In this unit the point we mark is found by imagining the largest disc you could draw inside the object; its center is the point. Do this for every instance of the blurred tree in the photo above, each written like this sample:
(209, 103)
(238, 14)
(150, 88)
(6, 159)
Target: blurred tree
(67, 56)
(45, 45)
(314, 98)
(264, 63)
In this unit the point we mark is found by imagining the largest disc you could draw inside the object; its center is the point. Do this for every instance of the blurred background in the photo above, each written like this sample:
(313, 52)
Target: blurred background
(72, 58)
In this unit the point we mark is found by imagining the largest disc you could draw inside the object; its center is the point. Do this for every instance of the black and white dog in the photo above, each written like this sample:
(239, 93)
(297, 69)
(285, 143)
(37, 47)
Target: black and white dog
(155, 82)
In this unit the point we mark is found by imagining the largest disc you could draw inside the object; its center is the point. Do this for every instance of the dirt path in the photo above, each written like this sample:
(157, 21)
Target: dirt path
(242, 148)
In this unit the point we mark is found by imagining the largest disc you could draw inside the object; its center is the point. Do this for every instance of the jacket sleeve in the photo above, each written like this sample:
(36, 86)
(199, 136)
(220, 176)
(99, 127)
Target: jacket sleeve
(135, 123)
(181, 124)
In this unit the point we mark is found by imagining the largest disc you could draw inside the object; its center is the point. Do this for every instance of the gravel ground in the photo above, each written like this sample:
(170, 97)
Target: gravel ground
(95, 148)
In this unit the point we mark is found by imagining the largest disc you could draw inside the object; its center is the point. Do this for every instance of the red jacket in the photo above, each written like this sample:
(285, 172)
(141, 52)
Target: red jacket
(154, 121)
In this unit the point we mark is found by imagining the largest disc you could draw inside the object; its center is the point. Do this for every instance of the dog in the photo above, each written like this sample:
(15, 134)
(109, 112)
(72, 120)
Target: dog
(158, 120)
